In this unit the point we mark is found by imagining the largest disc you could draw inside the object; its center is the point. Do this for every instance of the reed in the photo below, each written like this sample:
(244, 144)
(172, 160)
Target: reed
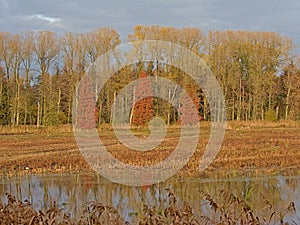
(229, 209)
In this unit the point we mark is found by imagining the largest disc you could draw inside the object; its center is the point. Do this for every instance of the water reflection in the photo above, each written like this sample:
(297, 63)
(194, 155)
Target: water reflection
(74, 191)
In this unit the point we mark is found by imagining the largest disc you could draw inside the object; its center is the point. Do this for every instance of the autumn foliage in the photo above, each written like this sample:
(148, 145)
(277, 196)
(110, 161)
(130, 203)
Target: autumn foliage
(143, 109)
(40, 71)
(188, 109)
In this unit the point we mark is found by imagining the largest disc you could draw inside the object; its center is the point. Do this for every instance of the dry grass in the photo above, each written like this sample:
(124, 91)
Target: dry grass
(249, 148)
(230, 209)
(235, 125)
(28, 129)
(242, 125)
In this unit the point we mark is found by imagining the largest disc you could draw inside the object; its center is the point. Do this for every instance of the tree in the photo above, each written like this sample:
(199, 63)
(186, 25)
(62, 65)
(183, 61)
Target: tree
(27, 51)
(189, 114)
(47, 48)
(143, 110)
(291, 91)
(99, 41)
(96, 43)
(16, 54)
(190, 38)
(4, 107)
(6, 62)
(74, 58)
(39, 74)
(246, 64)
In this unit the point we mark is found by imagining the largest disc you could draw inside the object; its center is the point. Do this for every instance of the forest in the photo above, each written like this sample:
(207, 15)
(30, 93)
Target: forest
(258, 71)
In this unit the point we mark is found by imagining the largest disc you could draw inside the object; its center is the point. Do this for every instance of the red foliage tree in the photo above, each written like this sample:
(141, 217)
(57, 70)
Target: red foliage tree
(86, 105)
(188, 114)
(143, 109)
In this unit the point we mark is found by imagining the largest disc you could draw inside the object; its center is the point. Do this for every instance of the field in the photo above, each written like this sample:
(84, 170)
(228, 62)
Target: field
(249, 149)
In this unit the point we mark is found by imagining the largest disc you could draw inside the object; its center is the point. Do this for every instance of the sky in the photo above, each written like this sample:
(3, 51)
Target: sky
(81, 16)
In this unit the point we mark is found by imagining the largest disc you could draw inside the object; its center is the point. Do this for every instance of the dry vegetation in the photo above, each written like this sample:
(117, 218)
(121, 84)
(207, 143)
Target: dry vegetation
(230, 209)
(254, 148)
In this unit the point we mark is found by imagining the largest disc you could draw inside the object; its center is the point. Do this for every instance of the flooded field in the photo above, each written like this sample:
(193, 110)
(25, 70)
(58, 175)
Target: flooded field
(73, 192)
(255, 179)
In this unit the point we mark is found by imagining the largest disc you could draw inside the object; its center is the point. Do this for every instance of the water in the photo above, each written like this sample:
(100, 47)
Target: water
(73, 192)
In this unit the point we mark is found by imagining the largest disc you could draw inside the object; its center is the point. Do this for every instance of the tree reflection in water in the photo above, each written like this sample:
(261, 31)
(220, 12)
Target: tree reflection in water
(73, 192)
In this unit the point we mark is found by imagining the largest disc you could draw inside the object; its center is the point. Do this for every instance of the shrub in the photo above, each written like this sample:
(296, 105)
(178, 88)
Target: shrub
(270, 115)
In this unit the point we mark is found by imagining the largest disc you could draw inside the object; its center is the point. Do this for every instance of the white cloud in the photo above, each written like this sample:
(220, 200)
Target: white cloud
(48, 19)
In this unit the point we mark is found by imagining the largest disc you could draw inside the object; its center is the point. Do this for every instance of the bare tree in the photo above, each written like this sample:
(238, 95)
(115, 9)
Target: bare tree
(47, 48)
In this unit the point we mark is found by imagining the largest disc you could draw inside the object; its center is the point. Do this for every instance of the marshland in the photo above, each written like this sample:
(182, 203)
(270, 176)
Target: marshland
(254, 179)
(47, 170)
(90, 199)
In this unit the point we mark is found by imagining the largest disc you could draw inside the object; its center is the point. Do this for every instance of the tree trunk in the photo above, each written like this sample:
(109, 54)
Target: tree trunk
(277, 112)
(238, 118)
(262, 111)
(113, 112)
(232, 112)
(38, 115)
(132, 109)
(287, 102)
(18, 104)
(58, 101)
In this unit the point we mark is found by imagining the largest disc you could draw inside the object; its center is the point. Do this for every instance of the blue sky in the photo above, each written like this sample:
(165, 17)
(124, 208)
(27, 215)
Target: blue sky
(82, 16)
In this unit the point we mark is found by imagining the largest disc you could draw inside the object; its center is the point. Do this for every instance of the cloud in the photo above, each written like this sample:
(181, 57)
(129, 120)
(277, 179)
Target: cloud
(48, 19)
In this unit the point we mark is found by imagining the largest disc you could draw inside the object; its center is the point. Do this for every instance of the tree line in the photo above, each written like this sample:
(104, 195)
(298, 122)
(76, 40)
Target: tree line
(39, 73)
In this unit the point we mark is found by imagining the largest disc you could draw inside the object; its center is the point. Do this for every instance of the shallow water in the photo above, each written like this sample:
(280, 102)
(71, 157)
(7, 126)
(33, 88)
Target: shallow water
(73, 191)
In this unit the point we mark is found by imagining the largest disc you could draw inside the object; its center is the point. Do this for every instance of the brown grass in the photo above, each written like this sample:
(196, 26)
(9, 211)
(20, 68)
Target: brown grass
(230, 209)
(249, 148)
(235, 125)
(30, 129)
